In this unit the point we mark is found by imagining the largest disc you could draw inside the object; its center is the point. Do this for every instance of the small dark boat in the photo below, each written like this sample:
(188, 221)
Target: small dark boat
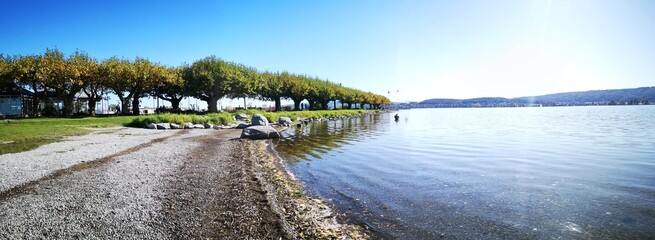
(396, 117)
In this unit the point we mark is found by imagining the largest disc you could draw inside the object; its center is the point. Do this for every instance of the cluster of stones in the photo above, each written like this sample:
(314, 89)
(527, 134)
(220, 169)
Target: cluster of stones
(184, 126)
(302, 121)
(257, 127)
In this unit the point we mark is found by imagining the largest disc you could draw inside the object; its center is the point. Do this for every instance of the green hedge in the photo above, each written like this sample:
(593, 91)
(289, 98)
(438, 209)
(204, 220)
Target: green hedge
(213, 118)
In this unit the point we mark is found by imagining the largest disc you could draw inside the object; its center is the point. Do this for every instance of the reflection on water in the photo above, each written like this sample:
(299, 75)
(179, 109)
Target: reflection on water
(320, 138)
(579, 172)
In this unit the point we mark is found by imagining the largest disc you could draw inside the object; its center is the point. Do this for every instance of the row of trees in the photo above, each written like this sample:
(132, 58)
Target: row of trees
(208, 79)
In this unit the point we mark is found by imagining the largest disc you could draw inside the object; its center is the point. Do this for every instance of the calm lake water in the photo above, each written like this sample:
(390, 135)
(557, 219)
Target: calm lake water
(517, 173)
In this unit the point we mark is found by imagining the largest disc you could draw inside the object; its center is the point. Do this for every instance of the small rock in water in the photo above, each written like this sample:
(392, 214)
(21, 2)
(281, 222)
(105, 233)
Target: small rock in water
(207, 125)
(163, 126)
(152, 126)
(175, 126)
(285, 121)
(188, 125)
(200, 126)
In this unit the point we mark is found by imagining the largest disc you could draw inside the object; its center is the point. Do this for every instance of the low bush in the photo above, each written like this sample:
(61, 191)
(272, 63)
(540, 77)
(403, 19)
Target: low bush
(213, 118)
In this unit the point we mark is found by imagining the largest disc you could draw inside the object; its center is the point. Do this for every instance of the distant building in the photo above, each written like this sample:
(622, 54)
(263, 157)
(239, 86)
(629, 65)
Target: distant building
(15, 102)
(81, 104)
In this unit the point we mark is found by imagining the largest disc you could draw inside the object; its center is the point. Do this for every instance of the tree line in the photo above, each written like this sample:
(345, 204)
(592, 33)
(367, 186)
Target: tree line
(208, 79)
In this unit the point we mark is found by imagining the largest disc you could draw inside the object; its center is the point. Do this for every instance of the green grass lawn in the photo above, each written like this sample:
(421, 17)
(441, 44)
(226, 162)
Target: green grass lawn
(25, 134)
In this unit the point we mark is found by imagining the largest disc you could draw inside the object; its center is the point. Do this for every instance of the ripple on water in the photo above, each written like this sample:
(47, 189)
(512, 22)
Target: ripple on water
(486, 173)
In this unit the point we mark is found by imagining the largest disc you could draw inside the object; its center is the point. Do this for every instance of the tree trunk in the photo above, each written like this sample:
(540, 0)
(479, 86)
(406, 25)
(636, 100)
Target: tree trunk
(135, 106)
(278, 104)
(175, 104)
(125, 103)
(335, 104)
(68, 106)
(244, 103)
(212, 104)
(35, 105)
(324, 104)
(92, 106)
(296, 103)
(125, 107)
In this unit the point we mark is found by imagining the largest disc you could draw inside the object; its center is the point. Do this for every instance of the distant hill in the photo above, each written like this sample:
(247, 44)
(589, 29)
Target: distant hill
(597, 96)
(631, 96)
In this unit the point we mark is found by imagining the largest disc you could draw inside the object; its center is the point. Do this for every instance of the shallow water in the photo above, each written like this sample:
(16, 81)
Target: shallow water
(568, 172)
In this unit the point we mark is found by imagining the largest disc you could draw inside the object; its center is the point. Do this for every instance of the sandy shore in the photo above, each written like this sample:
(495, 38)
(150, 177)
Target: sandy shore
(136, 183)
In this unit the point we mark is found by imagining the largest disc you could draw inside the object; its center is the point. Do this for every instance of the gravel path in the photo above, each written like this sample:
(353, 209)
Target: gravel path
(20, 168)
(134, 184)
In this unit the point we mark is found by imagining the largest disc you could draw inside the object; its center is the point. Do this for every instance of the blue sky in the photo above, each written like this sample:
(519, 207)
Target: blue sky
(415, 49)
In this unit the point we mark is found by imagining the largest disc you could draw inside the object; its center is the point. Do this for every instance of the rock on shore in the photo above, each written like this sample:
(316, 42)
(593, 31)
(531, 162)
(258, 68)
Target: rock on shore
(259, 119)
(259, 132)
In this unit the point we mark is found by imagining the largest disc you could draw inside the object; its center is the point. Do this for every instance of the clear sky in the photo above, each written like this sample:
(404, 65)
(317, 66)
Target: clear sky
(415, 49)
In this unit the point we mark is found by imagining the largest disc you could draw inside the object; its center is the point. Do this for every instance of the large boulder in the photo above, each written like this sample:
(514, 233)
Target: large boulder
(259, 132)
(242, 126)
(175, 126)
(258, 120)
(188, 125)
(152, 126)
(207, 125)
(163, 126)
(200, 126)
(285, 121)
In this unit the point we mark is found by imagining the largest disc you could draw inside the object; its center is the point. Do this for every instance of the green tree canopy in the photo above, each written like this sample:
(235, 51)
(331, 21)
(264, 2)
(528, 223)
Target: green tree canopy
(172, 87)
(207, 79)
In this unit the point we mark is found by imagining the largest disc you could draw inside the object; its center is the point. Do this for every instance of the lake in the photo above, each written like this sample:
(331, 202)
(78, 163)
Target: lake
(519, 173)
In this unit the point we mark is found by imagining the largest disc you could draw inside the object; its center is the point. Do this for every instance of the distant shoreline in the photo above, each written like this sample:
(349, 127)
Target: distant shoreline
(429, 107)
(611, 97)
